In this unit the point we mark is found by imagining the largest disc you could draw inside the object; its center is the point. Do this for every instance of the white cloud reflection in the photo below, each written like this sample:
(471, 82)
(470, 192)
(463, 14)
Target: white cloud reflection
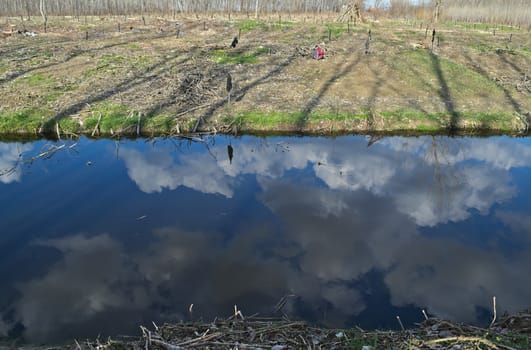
(10, 156)
(317, 259)
(362, 215)
(96, 279)
(452, 279)
(89, 280)
(156, 170)
(448, 276)
(432, 180)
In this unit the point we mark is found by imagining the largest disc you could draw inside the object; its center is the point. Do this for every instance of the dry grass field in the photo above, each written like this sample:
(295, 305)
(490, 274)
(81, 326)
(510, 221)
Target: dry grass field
(123, 75)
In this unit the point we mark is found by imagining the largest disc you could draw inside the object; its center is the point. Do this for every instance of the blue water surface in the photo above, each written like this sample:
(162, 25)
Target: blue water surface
(100, 236)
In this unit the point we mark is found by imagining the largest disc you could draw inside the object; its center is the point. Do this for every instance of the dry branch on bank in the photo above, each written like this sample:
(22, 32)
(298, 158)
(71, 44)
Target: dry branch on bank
(197, 85)
(237, 332)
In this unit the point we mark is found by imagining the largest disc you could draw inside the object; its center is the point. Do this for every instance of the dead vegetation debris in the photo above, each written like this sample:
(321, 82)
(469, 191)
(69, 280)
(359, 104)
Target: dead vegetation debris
(521, 84)
(197, 85)
(237, 332)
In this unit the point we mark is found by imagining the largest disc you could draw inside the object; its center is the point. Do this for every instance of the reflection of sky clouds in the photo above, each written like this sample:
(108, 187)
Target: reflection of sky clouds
(403, 169)
(153, 171)
(95, 278)
(452, 279)
(349, 301)
(368, 171)
(9, 156)
(362, 215)
(336, 246)
(449, 277)
(429, 193)
(86, 282)
(425, 177)
(327, 253)
(479, 188)
(500, 153)
(520, 223)
(445, 188)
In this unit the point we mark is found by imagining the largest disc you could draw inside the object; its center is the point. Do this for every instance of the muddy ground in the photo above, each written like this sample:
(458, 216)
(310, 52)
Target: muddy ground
(123, 74)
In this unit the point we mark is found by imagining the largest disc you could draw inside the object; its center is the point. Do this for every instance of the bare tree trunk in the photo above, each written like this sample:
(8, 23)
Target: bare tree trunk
(437, 12)
(42, 8)
(256, 10)
(28, 9)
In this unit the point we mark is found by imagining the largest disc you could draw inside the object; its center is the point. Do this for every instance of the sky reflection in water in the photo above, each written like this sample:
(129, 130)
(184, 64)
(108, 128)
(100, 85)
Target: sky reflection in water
(357, 234)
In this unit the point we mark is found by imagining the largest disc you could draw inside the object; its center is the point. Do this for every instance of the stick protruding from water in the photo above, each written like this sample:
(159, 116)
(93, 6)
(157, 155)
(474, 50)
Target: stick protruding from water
(493, 310)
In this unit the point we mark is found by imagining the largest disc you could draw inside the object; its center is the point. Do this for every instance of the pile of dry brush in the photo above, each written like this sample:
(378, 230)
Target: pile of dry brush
(237, 332)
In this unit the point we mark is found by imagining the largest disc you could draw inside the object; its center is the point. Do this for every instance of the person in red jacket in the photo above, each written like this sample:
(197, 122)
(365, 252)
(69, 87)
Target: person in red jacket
(318, 53)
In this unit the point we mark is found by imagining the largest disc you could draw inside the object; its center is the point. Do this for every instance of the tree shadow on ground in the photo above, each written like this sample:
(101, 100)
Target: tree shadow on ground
(73, 54)
(121, 87)
(314, 102)
(444, 93)
(371, 102)
(478, 69)
(241, 92)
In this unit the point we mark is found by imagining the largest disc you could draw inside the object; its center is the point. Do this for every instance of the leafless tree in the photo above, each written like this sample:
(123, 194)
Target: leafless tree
(42, 9)
(499, 11)
(437, 11)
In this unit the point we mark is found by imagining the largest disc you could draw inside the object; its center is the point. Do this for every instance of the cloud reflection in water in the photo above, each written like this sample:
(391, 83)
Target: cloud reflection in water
(344, 210)
(10, 156)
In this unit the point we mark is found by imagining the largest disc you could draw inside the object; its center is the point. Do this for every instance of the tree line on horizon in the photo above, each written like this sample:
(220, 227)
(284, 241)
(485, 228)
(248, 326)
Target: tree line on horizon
(484, 11)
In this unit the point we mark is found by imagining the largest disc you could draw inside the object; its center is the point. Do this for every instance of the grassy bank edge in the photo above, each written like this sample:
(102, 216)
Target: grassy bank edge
(122, 122)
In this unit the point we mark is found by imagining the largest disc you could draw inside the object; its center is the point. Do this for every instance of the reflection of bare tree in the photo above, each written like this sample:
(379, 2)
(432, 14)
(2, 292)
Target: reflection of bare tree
(446, 176)
(373, 139)
(183, 143)
(48, 151)
(441, 176)
(437, 11)
(13, 169)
